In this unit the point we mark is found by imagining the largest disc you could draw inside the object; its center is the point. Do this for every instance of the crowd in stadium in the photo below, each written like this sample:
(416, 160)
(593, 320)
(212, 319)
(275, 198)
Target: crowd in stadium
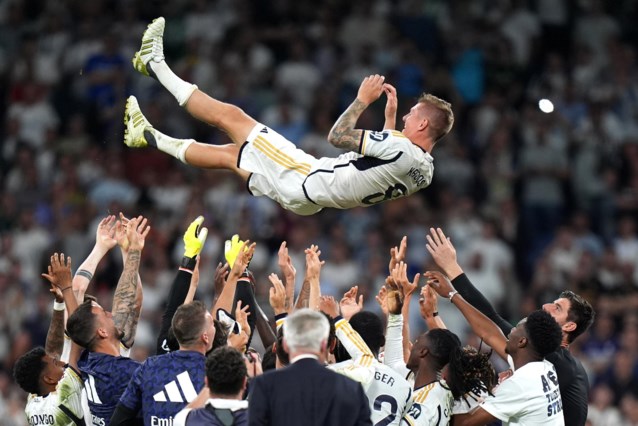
(534, 202)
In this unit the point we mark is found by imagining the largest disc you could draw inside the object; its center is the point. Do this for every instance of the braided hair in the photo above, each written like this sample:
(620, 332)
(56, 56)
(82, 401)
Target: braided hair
(470, 370)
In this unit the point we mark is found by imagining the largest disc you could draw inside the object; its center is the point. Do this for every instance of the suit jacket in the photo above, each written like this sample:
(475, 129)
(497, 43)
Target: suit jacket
(307, 394)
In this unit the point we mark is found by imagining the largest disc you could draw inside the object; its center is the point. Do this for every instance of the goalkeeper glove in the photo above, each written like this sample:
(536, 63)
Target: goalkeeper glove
(194, 238)
(231, 249)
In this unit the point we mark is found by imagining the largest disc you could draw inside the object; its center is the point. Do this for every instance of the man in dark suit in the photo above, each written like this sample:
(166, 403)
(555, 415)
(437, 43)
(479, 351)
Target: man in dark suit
(306, 393)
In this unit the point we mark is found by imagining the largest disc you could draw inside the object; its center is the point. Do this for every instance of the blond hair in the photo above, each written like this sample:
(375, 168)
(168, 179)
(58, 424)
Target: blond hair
(439, 113)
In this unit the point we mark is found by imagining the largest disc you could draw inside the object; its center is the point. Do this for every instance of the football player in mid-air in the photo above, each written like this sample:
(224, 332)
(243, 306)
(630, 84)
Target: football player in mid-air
(379, 166)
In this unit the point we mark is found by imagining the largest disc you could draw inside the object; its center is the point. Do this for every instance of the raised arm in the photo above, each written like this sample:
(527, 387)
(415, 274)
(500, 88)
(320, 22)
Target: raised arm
(126, 301)
(313, 273)
(444, 255)
(54, 345)
(225, 299)
(343, 134)
(428, 307)
(289, 273)
(407, 288)
(104, 241)
(484, 328)
(59, 275)
(391, 106)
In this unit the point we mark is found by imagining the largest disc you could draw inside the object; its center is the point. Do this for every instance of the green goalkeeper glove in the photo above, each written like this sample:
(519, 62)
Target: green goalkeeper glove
(194, 238)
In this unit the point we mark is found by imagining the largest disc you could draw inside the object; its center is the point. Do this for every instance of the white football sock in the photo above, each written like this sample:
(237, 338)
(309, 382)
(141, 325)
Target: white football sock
(182, 90)
(172, 146)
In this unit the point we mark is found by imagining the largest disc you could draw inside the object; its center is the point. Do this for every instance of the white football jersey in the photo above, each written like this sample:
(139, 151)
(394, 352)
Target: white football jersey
(530, 397)
(387, 166)
(387, 391)
(60, 408)
(431, 406)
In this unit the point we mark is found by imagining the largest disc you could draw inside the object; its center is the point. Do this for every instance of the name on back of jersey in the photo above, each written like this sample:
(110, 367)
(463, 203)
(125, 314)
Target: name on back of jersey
(418, 177)
(41, 419)
(384, 378)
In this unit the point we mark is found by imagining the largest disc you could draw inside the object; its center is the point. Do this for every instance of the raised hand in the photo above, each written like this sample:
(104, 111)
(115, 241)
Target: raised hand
(313, 263)
(221, 273)
(391, 106)
(370, 89)
(397, 254)
(400, 278)
(349, 304)
(195, 237)
(439, 282)
(443, 252)
(328, 305)
(381, 299)
(285, 263)
(136, 232)
(105, 233)
(244, 255)
(428, 302)
(59, 272)
(277, 295)
(120, 233)
(394, 301)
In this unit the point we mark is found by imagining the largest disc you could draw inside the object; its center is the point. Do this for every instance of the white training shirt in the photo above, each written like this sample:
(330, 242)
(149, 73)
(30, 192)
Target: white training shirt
(431, 406)
(46, 410)
(387, 166)
(387, 391)
(530, 397)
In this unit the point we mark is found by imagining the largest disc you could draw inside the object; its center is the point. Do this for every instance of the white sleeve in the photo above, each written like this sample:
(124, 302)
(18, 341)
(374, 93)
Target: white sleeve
(509, 400)
(66, 349)
(354, 344)
(393, 353)
(384, 145)
(180, 418)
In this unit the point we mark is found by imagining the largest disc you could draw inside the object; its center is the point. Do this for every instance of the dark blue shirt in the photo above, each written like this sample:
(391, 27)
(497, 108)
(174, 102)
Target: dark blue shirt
(105, 379)
(164, 384)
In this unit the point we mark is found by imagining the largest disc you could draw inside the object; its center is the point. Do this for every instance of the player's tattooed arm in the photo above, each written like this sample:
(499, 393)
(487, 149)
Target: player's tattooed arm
(343, 134)
(125, 314)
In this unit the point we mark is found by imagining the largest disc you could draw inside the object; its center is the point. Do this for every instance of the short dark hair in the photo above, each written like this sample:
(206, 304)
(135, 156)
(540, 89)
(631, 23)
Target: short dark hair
(370, 328)
(226, 371)
(188, 322)
(543, 332)
(580, 312)
(442, 345)
(81, 325)
(28, 370)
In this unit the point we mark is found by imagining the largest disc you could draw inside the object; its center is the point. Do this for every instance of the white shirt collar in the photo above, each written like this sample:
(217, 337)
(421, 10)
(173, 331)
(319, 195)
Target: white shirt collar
(228, 404)
(304, 356)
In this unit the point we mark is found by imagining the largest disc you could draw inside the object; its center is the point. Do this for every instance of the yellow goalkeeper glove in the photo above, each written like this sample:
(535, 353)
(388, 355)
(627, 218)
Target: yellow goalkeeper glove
(195, 237)
(231, 249)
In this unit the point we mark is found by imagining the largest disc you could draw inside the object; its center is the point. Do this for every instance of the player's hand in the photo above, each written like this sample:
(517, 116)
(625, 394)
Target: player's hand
(400, 278)
(443, 252)
(328, 305)
(370, 89)
(381, 299)
(136, 231)
(277, 295)
(120, 233)
(313, 263)
(392, 102)
(428, 302)
(232, 249)
(59, 272)
(439, 282)
(221, 273)
(195, 237)
(394, 302)
(245, 252)
(397, 254)
(285, 263)
(105, 233)
(349, 304)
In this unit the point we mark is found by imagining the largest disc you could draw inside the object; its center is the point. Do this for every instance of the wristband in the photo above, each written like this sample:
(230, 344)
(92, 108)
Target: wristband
(189, 262)
(452, 294)
(57, 306)
(435, 314)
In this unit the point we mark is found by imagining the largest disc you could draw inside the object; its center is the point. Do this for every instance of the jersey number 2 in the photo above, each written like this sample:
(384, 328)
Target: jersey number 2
(393, 409)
